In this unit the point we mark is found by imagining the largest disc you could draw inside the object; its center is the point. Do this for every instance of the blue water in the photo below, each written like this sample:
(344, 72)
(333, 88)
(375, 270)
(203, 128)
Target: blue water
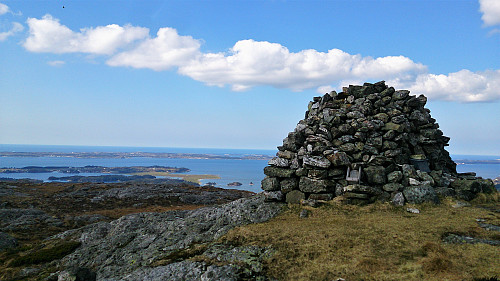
(230, 170)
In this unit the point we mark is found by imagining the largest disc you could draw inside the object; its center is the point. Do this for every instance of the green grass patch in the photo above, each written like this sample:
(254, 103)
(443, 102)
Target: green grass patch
(375, 242)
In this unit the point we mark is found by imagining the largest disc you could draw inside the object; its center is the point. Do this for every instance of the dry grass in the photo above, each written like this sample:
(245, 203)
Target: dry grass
(377, 242)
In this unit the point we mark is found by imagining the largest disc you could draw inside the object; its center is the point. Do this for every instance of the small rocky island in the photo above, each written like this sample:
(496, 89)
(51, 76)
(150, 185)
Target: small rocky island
(368, 143)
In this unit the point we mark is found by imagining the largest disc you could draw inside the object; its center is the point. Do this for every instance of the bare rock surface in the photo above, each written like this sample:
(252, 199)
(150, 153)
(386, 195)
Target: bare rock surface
(129, 247)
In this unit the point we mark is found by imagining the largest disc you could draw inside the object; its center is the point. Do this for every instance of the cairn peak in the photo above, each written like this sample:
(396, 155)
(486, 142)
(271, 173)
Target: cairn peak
(367, 143)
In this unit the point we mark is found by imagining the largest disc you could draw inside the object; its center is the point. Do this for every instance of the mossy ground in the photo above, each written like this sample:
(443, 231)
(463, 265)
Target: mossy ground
(378, 242)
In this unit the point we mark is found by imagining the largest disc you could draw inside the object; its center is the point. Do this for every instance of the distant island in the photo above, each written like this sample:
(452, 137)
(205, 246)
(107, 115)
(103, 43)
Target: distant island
(95, 169)
(467, 161)
(134, 155)
(144, 173)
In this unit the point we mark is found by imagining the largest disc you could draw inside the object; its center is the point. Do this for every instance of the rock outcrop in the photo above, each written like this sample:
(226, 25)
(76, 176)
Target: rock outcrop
(367, 143)
(157, 246)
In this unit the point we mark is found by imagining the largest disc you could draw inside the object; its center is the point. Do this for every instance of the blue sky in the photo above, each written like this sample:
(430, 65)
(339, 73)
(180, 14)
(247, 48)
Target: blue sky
(237, 74)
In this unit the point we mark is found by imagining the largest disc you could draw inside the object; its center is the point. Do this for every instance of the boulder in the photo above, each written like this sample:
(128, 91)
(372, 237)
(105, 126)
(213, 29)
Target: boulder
(270, 184)
(420, 194)
(289, 184)
(315, 186)
(375, 174)
(278, 172)
(468, 189)
(316, 161)
(295, 196)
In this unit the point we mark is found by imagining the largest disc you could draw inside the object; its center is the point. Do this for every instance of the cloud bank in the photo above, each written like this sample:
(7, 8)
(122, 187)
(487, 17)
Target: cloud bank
(491, 11)
(252, 63)
(49, 36)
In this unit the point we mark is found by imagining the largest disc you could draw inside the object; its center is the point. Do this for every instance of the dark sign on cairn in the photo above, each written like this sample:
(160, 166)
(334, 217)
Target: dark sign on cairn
(367, 143)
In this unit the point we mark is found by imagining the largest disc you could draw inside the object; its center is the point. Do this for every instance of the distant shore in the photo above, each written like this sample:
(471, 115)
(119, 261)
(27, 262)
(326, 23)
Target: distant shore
(119, 155)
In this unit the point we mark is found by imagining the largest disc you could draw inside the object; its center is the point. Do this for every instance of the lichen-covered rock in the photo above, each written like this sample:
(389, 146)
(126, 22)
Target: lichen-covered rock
(468, 189)
(270, 184)
(420, 194)
(375, 175)
(278, 172)
(289, 184)
(315, 186)
(316, 161)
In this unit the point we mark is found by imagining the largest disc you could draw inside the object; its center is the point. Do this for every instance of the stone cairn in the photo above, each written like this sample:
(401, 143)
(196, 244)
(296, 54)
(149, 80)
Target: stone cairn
(367, 143)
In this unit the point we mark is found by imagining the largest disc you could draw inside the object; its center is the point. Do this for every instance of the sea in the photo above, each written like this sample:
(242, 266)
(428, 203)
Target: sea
(248, 172)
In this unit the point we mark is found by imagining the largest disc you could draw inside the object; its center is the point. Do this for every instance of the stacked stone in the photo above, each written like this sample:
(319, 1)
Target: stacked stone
(389, 134)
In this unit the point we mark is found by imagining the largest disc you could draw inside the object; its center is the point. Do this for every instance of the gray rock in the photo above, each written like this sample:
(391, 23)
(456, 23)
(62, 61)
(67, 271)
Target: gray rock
(136, 241)
(7, 241)
(184, 270)
(395, 176)
(367, 189)
(398, 199)
(420, 194)
(273, 196)
(270, 184)
(289, 184)
(321, 196)
(339, 159)
(295, 196)
(315, 186)
(347, 147)
(304, 213)
(316, 161)
(278, 172)
(413, 210)
(76, 273)
(317, 174)
(453, 238)
(444, 191)
(390, 126)
(468, 189)
(286, 154)
(279, 162)
(409, 171)
(375, 174)
(390, 187)
(25, 219)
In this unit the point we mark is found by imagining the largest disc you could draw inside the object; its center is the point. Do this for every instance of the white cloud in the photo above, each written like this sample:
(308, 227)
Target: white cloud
(491, 11)
(56, 63)
(462, 86)
(167, 50)
(48, 35)
(16, 27)
(252, 63)
(3, 9)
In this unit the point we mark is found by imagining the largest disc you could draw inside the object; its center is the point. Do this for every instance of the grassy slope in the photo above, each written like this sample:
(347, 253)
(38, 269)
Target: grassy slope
(377, 242)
